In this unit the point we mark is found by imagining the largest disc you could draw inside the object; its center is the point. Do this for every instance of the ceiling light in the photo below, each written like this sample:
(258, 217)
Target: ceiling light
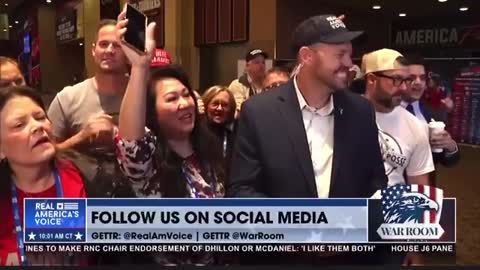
(441, 1)
(17, 22)
(4, 29)
(376, 7)
(6, 4)
(81, 44)
(49, 1)
(10, 26)
(463, 8)
(402, 14)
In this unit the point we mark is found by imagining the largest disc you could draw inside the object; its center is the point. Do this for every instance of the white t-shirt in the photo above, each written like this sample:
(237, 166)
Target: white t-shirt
(404, 144)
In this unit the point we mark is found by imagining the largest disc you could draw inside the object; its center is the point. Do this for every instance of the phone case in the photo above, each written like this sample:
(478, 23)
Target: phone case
(131, 45)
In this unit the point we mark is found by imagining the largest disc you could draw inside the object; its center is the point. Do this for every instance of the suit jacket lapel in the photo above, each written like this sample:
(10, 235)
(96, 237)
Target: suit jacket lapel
(339, 139)
(426, 113)
(291, 113)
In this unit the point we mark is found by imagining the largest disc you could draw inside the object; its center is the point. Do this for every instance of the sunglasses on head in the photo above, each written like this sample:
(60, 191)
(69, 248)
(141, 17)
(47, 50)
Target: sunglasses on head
(273, 85)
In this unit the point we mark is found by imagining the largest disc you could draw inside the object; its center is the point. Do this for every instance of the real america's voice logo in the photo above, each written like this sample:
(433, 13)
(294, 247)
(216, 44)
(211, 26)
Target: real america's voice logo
(411, 212)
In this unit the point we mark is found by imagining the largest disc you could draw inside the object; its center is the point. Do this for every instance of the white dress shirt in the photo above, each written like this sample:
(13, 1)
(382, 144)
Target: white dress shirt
(319, 129)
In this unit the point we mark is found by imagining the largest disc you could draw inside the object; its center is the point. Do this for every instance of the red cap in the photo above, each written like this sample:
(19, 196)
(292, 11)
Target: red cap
(160, 58)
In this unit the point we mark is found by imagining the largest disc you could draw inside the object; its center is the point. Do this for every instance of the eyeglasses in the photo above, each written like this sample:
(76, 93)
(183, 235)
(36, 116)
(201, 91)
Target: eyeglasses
(216, 105)
(397, 81)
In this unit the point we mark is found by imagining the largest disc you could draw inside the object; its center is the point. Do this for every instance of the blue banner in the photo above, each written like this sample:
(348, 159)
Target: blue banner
(54, 220)
(244, 221)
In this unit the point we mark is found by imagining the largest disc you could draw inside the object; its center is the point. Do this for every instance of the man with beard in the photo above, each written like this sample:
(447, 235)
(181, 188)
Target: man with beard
(403, 138)
(84, 115)
(309, 137)
(303, 138)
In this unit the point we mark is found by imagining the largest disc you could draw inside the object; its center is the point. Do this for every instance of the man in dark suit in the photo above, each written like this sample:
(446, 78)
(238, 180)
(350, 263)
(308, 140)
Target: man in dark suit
(411, 101)
(309, 137)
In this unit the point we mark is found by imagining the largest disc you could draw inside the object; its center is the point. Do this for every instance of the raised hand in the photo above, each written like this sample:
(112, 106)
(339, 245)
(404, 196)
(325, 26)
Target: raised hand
(96, 125)
(136, 58)
(448, 104)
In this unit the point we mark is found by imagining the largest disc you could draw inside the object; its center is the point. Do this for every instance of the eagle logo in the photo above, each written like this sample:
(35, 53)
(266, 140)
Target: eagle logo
(409, 208)
(411, 212)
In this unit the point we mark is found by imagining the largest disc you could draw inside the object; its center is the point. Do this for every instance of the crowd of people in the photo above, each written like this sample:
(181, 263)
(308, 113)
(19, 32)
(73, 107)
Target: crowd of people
(137, 128)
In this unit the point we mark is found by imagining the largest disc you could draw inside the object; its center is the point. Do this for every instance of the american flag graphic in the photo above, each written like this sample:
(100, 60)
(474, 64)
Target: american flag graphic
(436, 194)
(405, 198)
(67, 206)
(70, 206)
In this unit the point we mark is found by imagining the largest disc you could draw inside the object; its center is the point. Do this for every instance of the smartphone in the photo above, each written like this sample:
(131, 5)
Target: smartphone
(136, 28)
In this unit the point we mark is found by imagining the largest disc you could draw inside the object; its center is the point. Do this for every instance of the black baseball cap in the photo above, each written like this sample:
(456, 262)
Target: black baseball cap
(254, 53)
(322, 28)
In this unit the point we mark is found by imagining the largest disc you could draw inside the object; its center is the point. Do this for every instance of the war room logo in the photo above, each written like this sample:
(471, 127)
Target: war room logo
(411, 212)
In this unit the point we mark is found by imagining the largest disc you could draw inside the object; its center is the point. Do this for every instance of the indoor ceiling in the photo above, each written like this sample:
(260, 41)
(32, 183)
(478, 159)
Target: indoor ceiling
(412, 8)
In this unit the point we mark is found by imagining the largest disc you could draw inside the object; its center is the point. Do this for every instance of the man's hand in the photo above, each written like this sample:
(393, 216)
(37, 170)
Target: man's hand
(136, 58)
(413, 259)
(98, 124)
(443, 140)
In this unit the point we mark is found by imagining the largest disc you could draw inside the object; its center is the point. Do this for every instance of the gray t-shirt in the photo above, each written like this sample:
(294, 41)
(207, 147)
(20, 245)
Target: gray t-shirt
(69, 111)
(71, 108)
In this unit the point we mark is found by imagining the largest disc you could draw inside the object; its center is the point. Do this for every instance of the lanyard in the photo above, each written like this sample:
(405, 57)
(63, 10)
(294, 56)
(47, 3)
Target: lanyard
(16, 215)
(191, 182)
(225, 138)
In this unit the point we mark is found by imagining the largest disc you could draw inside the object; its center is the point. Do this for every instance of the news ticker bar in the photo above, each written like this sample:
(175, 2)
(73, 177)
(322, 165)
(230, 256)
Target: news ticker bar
(244, 248)
(213, 221)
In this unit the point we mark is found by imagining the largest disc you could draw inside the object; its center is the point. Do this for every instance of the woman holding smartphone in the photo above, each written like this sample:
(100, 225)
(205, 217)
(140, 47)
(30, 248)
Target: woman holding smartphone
(162, 146)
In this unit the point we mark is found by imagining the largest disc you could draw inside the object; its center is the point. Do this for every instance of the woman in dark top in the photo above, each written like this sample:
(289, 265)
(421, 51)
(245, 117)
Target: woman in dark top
(220, 115)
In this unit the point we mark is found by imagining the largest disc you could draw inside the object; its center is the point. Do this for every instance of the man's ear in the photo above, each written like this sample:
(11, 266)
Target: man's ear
(370, 79)
(305, 55)
(93, 49)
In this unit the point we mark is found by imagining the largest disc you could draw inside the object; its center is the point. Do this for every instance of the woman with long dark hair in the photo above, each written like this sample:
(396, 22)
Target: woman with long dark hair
(29, 169)
(174, 153)
(163, 147)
